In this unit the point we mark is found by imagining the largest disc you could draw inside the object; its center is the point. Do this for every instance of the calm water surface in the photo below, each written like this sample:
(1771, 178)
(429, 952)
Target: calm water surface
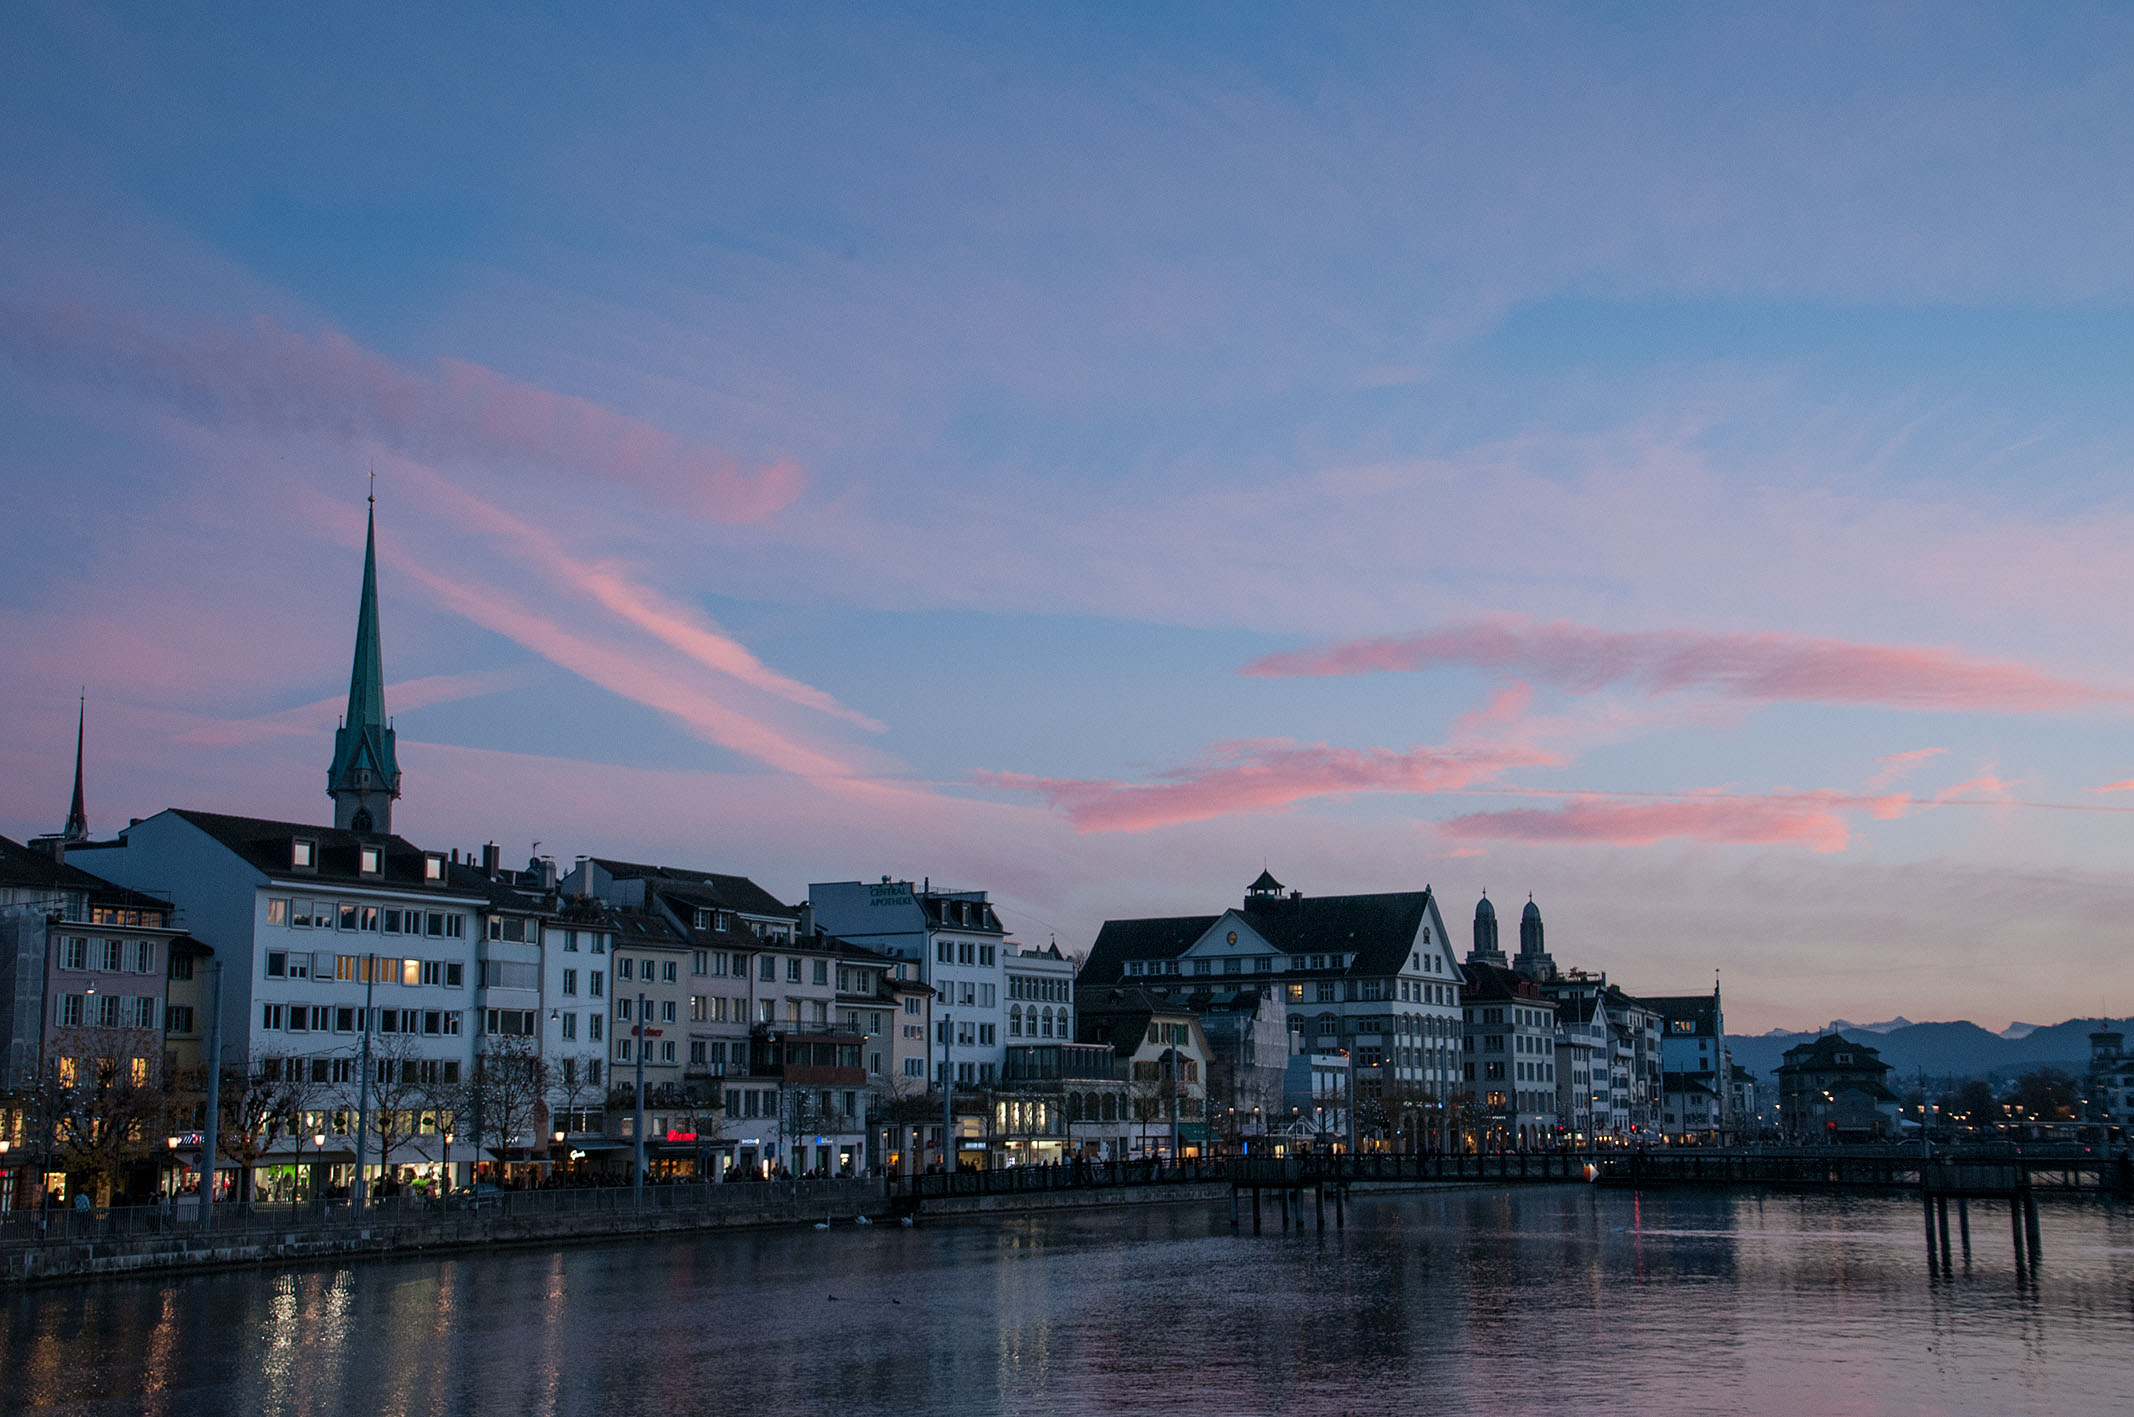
(1566, 1300)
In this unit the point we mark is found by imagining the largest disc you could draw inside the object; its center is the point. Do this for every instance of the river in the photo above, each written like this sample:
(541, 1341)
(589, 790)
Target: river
(1548, 1300)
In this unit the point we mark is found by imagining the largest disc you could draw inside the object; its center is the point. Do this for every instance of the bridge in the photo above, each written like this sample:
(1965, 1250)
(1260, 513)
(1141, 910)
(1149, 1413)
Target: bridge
(1959, 1174)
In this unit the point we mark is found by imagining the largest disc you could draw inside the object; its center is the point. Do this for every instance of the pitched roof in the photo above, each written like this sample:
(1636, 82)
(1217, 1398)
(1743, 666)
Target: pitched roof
(1488, 983)
(1379, 930)
(26, 867)
(264, 844)
(1699, 1009)
(1822, 1056)
(737, 893)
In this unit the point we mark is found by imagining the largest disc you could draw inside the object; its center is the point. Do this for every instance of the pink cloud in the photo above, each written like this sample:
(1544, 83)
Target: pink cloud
(1259, 775)
(2125, 785)
(1764, 668)
(1812, 819)
(1896, 765)
(620, 672)
(277, 380)
(679, 627)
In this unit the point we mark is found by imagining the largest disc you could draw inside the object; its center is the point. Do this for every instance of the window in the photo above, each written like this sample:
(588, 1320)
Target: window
(433, 866)
(303, 854)
(699, 1008)
(570, 1031)
(792, 970)
(70, 1011)
(570, 981)
(767, 969)
(372, 861)
(178, 1018)
(822, 971)
(270, 1016)
(666, 972)
(626, 968)
(277, 912)
(914, 1067)
(911, 1005)
(596, 983)
(666, 1011)
(277, 964)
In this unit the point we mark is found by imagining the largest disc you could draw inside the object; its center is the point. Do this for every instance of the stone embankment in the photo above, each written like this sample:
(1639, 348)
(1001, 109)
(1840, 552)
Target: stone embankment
(155, 1243)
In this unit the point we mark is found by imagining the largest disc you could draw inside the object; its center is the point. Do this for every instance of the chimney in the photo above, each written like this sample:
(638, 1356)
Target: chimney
(807, 921)
(492, 859)
(545, 866)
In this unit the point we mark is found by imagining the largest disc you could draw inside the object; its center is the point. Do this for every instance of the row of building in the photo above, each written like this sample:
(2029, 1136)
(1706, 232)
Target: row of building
(446, 1015)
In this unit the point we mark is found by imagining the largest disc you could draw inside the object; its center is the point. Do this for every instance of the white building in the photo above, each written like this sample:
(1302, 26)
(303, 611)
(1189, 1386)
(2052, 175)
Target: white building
(956, 940)
(1040, 995)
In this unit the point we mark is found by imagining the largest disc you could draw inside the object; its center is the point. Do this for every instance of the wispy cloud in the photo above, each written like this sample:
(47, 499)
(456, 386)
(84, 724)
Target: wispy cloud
(615, 590)
(1259, 775)
(262, 376)
(1762, 668)
(633, 677)
(1813, 820)
(2124, 785)
(306, 719)
(1896, 765)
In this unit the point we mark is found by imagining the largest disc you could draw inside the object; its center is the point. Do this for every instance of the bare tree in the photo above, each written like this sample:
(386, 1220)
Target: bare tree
(401, 1091)
(250, 1107)
(501, 1102)
(100, 1103)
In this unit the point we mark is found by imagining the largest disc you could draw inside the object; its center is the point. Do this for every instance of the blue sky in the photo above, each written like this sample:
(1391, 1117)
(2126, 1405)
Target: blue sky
(1675, 457)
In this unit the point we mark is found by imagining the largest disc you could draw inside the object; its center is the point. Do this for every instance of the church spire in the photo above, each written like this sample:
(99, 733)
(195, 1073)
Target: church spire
(365, 776)
(77, 828)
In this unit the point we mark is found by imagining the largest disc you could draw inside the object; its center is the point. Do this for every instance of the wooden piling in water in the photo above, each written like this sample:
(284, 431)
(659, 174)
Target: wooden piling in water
(1942, 1217)
(2030, 1225)
(1963, 1225)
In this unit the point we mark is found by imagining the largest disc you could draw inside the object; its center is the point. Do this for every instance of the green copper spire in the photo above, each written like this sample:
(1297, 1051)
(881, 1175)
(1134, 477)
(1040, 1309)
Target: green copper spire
(365, 776)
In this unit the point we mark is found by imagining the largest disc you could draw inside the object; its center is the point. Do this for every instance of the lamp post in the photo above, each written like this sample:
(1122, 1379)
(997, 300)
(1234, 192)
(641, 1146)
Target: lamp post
(318, 1141)
(637, 1126)
(211, 1128)
(356, 1188)
(948, 1095)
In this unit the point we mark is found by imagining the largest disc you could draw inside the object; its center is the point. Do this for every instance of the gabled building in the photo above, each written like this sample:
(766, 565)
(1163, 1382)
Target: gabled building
(1163, 1056)
(1836, 1090)
(1370, 974)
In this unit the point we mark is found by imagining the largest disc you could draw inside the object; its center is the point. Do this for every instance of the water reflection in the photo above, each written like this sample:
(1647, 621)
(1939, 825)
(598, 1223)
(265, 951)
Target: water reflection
(1567, 1299)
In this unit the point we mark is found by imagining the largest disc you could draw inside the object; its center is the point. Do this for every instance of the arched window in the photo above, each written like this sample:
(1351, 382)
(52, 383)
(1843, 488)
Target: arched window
(1015, 1023)
(1111, 1107)
(1074, 1106)
(1044, 1022)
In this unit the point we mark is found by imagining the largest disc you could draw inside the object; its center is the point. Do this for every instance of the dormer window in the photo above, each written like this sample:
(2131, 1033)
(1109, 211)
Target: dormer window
(304, 854)
(372, 861)
(703, 920)
(433, 866)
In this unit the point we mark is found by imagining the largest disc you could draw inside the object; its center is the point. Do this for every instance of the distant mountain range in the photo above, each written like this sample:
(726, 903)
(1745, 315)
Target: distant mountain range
(1940, 1050)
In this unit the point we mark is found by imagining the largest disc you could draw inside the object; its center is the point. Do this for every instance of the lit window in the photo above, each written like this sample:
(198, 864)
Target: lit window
(303, 854)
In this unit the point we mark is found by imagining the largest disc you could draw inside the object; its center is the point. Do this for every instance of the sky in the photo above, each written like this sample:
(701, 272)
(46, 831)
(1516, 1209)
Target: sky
(1672, 461)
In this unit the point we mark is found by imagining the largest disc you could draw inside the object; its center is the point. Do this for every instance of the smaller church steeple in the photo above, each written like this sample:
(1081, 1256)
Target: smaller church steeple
(365, 776)
(77, 828)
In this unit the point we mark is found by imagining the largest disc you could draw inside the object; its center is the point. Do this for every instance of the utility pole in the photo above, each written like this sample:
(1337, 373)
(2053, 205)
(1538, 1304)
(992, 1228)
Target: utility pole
(356, 1190)
(637, 1127)
(1170, 1066)
(211, 1130)
(948, 1093)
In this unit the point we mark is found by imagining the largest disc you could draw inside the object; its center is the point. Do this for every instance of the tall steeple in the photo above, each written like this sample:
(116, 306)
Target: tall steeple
(365, 776)
(77, 828)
